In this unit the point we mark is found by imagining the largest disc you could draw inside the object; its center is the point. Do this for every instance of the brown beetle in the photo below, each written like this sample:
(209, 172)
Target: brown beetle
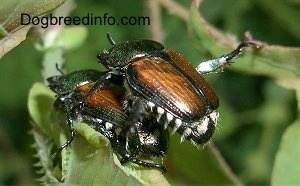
(99, 105)
(161, 83)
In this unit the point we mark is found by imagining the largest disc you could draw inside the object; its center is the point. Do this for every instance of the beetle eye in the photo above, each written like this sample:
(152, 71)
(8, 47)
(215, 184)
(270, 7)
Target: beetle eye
(103, 58)
(99, 56)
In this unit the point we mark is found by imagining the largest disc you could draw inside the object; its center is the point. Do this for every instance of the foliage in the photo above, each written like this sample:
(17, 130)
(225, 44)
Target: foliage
(258, 132)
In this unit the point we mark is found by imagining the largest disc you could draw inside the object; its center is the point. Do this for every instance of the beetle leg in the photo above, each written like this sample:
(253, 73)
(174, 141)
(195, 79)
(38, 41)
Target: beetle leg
(68, 142)
(71, 138)
(214, 64)
(100, 83)
(135, 115)
(147, 164)
(129, 158)
(132, 136)
(72, 112)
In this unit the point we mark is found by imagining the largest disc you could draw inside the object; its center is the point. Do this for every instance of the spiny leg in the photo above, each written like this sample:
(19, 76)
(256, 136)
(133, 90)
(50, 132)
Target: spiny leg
(214, 64)
(135, 115)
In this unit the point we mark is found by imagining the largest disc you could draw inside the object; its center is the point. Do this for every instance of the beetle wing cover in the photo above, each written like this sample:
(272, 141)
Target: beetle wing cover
(104, 103)
(159, 82)
(205, 89)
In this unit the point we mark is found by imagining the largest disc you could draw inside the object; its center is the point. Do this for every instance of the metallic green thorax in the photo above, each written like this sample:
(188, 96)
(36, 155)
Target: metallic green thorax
(122, 53)
(68, 83)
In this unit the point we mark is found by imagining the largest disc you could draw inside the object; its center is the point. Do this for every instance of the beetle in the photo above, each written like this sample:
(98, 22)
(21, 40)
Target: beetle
(105, 101)
(64, 86)
(100, 106)
(161, 83)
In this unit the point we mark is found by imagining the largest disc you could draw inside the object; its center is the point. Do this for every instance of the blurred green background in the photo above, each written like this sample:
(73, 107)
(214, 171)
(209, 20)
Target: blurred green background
(254, 110)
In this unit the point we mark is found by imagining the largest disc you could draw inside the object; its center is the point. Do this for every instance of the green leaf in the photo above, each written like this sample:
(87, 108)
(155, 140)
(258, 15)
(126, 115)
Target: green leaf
(44, 165)
(40, 106)
(96, 164)
(12, 32)
(205, 37)
(281, 64)
(286, 168)
(12, 40)
(89, 159)
(278, 62)
(72, 37)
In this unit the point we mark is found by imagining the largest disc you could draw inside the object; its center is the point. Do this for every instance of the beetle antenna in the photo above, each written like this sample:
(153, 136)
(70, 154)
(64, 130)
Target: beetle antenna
(59, 69)
(214, 64)
(110, 39)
